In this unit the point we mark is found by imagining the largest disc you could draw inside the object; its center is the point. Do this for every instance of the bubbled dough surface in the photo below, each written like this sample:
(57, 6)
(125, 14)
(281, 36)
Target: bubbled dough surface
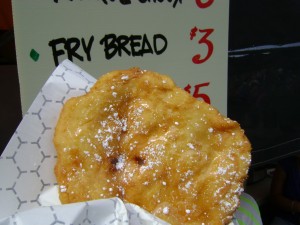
(137, 136)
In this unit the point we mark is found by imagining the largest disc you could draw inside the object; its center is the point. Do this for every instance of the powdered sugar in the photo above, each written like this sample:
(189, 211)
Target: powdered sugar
(166, 210)
(114, 94)
(62, 188)
(125, 77)
(121, 162)
(191, 146)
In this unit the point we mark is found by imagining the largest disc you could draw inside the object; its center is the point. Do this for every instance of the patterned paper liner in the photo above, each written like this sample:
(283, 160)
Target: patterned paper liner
(26, 165)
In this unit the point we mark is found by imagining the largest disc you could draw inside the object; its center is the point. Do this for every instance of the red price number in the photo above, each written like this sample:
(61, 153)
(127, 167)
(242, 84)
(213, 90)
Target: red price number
(204, 4)
(197, 93)
(198, 59)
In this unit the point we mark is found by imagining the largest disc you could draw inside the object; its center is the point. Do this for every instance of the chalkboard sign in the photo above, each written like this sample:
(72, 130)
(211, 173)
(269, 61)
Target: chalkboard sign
(187, 40)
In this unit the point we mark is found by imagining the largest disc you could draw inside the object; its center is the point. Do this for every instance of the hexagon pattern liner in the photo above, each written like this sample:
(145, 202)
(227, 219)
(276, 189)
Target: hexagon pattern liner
(27, 163)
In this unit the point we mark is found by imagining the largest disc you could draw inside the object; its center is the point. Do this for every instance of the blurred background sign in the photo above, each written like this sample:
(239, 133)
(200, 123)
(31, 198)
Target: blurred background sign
(187, 40)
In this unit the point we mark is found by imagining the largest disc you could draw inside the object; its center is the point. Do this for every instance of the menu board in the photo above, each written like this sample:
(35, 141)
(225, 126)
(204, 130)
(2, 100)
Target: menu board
(187, 40)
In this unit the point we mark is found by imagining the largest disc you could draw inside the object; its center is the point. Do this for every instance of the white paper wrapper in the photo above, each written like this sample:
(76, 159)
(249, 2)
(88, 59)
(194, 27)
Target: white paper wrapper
(27, 163)
(107, 211)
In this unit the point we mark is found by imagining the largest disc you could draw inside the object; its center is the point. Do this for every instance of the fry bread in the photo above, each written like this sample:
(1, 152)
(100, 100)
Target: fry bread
(138, 136)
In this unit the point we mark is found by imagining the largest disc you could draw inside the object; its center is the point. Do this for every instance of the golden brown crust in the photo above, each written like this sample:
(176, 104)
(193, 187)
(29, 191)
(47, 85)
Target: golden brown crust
(138, 136)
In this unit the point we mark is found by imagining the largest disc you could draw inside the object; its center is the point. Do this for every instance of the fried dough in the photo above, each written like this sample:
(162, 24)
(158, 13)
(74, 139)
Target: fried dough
(138, 136)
